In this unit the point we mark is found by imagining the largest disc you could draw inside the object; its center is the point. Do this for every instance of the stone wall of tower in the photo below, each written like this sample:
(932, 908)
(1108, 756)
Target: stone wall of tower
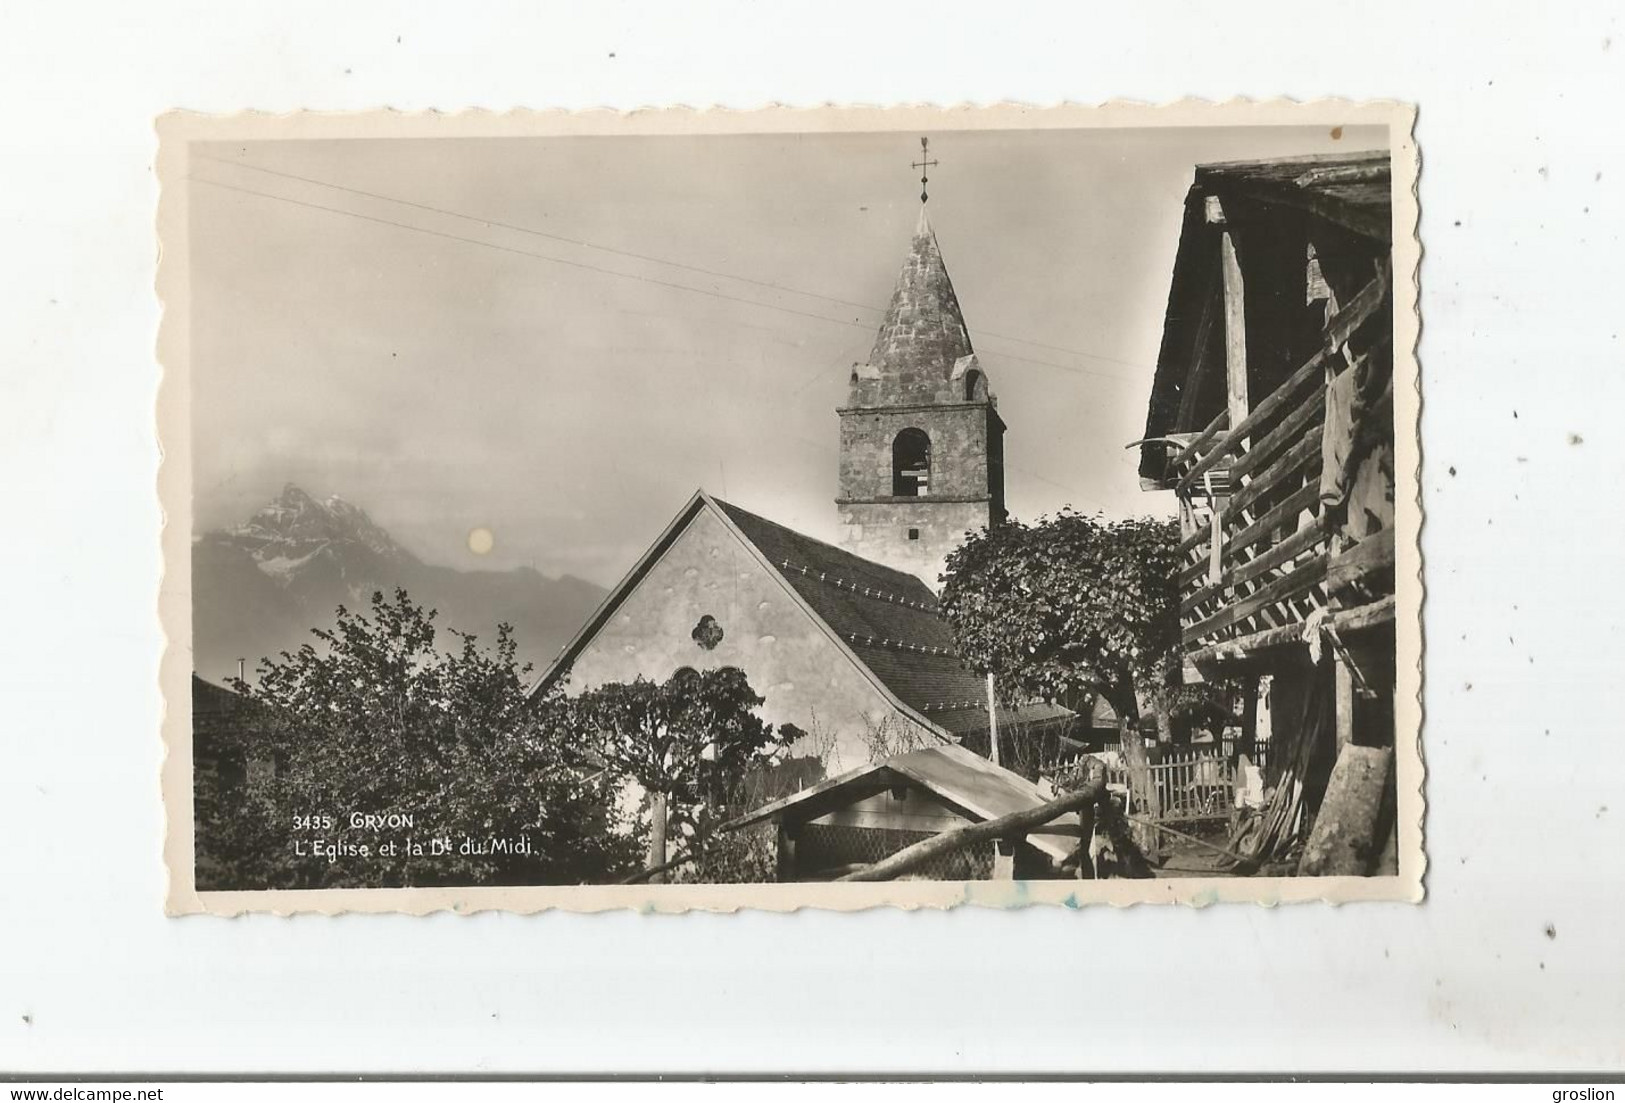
(922, 374)
(879, 531)
(965, 491)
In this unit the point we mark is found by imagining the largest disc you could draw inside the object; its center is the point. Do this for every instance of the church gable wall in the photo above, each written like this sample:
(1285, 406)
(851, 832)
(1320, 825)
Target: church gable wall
(805, 678)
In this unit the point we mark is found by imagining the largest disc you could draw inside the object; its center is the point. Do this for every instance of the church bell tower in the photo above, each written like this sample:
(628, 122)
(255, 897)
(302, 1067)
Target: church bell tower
(922, 444)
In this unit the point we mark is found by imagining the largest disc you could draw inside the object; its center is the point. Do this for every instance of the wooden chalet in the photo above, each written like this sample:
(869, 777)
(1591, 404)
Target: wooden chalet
(1271, 418)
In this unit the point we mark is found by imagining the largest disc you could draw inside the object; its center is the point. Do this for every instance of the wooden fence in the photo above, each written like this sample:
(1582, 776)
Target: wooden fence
(1189, 784)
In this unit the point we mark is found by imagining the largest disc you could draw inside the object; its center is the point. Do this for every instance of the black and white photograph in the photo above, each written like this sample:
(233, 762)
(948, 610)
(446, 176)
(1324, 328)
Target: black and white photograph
(661, 510)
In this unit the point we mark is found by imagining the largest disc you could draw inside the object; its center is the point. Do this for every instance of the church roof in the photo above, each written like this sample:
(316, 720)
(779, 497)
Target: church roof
(924, 331)
(884, 618)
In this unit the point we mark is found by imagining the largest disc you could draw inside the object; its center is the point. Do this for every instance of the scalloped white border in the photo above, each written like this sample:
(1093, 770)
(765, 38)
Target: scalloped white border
(176, 130)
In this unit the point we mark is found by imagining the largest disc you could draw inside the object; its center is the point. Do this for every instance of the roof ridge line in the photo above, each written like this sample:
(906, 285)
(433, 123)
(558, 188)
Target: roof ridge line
(836, 548)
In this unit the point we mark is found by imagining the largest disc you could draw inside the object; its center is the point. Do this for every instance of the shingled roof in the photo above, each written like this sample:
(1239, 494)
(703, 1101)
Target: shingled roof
(887, 619)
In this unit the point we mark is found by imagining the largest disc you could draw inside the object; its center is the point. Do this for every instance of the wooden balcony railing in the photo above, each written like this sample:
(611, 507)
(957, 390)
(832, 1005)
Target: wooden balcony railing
(1256, 540)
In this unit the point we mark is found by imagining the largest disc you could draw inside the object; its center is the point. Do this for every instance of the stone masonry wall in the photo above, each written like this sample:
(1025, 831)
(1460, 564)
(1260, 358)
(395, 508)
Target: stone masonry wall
(879, 531)
(965, 491)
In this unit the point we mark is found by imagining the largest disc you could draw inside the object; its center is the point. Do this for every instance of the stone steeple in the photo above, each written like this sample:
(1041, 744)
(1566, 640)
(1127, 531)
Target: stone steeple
(922, 343)
(922, 445)
(924, 331)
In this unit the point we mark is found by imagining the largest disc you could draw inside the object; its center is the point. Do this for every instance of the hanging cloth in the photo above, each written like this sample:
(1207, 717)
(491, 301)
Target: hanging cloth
(1337, 438)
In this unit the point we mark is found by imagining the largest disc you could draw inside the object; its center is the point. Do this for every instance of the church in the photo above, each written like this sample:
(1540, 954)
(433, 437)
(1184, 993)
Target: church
(843, 642)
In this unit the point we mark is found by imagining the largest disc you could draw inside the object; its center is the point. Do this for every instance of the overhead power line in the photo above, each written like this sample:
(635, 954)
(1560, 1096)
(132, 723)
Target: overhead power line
(632, 255)
(526, 253)
(708, 292)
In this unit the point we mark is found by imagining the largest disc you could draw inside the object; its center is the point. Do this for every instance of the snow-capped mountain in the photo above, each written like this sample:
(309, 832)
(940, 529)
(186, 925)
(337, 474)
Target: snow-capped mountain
(294, 526)
(260, 587)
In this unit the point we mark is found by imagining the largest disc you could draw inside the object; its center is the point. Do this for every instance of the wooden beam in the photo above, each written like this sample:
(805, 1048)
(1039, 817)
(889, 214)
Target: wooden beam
(1287, 509)
(1200, 536)
(1337, 332)
(1290, 548)
(1344, 684)
(1013, 826)
(1367, 223)
(1304, 455)
(1282, 588)
(1235, 329)
(1244, 647)
(1312, 411)
(1364, 616)
(1374, 553)
(1187, 453)
(1293, 546)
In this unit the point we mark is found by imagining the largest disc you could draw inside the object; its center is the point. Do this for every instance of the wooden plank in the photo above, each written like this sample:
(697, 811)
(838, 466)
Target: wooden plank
(1303, 456)
(1215, 555)
(1235, 329)
(1290, 548)
(1191, 573)
(1368, 223)
(1341, 326)
(1287, 509)
(1364, 616)
(1312, 411)
(1188, 453)
(1338, 329)
(1013, 826)
(1343, 678)
(1244, 647)
(890, 820)
(1286, 586)
(1200, 536)
(1373, 171)
(1261, 529)
(1374, 553)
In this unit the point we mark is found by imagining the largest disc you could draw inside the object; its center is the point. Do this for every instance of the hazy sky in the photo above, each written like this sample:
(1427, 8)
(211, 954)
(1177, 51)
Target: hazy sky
(570, 405)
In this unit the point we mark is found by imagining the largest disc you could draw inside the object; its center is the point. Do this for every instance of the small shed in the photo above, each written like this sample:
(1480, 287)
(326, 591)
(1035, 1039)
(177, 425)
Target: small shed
(871, 813)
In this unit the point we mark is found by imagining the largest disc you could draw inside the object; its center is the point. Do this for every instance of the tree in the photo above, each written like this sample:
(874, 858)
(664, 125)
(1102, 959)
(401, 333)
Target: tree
(689, 742)
(374, 721)
(1073, 605)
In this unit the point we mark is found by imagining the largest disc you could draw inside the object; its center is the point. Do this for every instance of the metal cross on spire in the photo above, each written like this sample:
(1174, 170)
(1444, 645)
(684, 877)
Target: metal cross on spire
(924, 164)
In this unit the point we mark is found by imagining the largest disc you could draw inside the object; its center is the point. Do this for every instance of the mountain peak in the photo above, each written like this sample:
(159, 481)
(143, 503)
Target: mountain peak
(295, 526)
(292, 497)
(260, 587)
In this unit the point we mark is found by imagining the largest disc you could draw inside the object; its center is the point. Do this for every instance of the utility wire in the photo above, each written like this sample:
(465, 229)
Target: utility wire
(645, 257)
(1117, 379)
(527, 253)
(530, 230)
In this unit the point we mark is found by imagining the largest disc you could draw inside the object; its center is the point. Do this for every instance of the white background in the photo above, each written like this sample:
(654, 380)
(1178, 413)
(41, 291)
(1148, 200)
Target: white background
(1515, 961)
